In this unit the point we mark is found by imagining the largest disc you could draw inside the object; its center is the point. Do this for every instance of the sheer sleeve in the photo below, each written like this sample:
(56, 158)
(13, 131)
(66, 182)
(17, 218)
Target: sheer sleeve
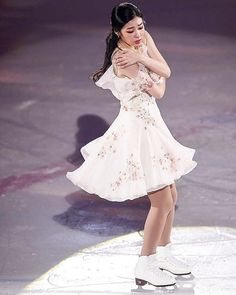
(107, 81)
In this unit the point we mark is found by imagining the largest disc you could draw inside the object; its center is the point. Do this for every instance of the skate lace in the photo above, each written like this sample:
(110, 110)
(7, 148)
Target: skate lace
(154, 267)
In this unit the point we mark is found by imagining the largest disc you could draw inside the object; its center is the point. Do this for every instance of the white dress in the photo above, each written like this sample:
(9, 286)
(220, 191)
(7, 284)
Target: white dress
(137, 154)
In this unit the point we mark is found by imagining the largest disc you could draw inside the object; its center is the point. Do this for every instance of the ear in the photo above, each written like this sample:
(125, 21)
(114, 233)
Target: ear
(117, 33)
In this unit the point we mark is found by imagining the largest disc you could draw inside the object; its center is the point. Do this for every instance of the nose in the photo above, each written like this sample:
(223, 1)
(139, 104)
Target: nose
(137, 35)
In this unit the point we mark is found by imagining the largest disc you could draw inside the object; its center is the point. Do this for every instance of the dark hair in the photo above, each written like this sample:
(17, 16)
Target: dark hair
(120, 15)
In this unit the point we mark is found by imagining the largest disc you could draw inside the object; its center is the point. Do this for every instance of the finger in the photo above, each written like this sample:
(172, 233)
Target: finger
(119, 55)
(149, 85)
(120, 58)
(121, 63)
(124, 66)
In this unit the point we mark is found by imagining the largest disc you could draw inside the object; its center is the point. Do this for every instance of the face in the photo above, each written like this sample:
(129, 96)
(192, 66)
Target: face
(133, 32)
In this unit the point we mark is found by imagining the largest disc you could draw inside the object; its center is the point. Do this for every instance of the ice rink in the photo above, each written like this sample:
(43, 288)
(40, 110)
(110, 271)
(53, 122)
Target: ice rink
(107, 268)
(58, 239)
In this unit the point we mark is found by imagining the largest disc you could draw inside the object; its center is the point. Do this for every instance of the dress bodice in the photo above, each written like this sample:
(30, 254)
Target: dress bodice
(125, 88)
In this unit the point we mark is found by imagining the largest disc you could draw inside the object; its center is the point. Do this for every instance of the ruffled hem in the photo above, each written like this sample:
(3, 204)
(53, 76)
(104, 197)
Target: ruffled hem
(136, 155)
(152, 188)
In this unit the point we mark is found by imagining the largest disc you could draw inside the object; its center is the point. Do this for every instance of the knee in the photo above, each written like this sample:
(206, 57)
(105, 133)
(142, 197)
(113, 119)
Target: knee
(162, 201)
(167, 205)
(174, 194)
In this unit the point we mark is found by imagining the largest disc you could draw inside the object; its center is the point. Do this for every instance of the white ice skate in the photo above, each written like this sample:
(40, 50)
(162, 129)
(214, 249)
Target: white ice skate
(146, 271)
(168, 262)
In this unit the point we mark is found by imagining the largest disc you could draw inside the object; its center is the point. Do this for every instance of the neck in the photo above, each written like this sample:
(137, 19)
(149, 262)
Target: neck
(135, 48)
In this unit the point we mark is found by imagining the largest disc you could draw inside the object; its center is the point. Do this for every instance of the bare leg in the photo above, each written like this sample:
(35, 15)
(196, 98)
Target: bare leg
(165, 237)
(161, 205)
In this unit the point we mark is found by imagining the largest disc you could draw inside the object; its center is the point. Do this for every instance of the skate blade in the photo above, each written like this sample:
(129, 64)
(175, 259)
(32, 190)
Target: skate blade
(141, 290)
(169, 289)
(140, 282)
(188, 277)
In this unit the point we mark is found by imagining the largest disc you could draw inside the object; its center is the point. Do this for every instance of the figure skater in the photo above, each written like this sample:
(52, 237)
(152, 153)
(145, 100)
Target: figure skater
(137, 155)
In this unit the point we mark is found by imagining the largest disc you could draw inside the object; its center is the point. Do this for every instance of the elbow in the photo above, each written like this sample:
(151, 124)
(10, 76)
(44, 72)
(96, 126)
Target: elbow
(158, 91)
(168, 73)
(161, 91)
(160, 95)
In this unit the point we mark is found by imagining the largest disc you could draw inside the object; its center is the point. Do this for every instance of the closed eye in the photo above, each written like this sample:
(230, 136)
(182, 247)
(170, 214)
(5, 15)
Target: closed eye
(133, 31)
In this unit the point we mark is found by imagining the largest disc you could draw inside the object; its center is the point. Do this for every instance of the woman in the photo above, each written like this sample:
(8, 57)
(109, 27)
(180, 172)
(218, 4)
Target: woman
(137, 155)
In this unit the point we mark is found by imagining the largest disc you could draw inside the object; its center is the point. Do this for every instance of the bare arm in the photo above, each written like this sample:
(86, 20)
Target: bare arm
(154, 89)
(157, 90)
(155, 61)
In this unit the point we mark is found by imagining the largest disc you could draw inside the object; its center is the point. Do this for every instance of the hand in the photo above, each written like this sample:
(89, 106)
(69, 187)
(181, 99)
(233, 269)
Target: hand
(146, 86)
(143, 81)
(126, 58)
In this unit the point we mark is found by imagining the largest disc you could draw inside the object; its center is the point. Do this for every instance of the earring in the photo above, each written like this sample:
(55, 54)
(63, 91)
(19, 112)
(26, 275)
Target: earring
(117, 35)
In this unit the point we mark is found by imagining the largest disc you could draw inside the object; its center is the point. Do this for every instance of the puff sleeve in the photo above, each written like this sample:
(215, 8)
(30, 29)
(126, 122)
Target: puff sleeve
(124, 88)
(107, 81)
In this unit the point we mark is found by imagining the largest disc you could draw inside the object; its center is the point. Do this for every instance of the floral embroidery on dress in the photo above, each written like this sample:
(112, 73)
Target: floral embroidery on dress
(141, 113)
(132, 171)
(167, 161)
(140, 100)
(146, 117)
(110, 142)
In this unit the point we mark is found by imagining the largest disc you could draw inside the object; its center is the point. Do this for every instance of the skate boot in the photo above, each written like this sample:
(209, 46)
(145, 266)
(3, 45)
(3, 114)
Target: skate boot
(168, 262)
(146, 271)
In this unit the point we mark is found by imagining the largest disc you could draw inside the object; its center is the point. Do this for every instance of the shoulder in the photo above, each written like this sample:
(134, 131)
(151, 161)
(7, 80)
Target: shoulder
(145, 37)
(148, 36)
(114, 53)
(119, 72)
(129, 71)
(149, 39)
(152, 49)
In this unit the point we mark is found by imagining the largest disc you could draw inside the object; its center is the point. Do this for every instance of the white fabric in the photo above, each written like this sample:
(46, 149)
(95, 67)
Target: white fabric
(167, 261)
(147, 269)
(137, 154)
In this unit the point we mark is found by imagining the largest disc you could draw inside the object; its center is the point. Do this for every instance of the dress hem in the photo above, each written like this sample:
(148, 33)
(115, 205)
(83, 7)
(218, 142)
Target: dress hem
(149, 189)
